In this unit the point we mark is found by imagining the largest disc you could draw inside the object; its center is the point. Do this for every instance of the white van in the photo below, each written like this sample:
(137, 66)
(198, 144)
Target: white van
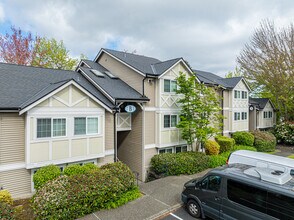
(259, 159)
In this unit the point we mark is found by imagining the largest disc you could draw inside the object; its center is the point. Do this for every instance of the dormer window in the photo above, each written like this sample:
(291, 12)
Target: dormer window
(170, 85)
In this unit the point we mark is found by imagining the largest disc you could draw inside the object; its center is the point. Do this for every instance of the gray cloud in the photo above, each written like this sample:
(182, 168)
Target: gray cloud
(209, 34)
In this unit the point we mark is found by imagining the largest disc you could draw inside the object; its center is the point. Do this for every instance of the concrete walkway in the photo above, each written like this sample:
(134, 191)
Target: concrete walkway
(159, 197)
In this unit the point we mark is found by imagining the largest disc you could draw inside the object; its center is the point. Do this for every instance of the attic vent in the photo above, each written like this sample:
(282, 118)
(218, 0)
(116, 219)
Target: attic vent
(97, 73)
(110, 75)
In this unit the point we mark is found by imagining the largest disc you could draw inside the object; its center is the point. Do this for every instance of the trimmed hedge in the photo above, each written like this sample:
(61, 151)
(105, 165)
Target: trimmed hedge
(242, 147)
(243, 138)
(44, 174)
(211, 147)
(217, 160)
(75, 169)
(122, 172)
(6, 211)
(169, 164)
(5, 197)
(264, 141)
(225, 143)
(71, 197)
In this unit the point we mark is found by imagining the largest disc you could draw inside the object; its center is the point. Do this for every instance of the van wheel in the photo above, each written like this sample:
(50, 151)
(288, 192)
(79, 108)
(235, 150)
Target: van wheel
(194, 208)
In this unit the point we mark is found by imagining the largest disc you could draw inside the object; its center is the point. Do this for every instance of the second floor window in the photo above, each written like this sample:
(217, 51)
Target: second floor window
(48, 127)
(85, 125)
(244, 95)
(170, 85)
(170, 121)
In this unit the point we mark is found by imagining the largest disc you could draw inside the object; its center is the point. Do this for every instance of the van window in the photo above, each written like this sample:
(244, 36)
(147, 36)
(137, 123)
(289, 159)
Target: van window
(280, 206)
(211, 183)
(247, 195)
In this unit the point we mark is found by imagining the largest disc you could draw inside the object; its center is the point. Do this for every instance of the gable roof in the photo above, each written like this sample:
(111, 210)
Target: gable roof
(213, 79)
(20, 86)
(261, 102)
(114, 87)
(142, 64)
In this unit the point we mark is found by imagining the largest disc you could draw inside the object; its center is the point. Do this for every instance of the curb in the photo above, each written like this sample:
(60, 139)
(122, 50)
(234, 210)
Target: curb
(170, 209)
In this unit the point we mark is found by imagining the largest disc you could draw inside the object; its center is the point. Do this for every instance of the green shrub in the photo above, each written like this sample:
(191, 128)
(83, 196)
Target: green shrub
(76, 169)
(71, 197)
(6, 211)
(264, 141)
(243, 138)
(44, 174)
(122, 172)
(225, 143)
(211, 147)
(5, 197)
(217, 160)
(242, 147)
(284, 133)
(181, 163)
(226, 154)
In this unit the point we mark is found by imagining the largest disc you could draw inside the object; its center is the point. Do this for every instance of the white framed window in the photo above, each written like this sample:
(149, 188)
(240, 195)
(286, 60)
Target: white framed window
(237, 116)
(237, 94)
(270, 114)
(265, 115)
(244, 95)
(165, 150)
(170, 85)
(86, 125)
(170, 121)
(244, 115)
(51, 127)
(181, 149)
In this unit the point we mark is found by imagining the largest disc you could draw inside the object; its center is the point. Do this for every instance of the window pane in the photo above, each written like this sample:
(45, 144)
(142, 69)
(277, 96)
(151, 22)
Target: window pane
(235, 94)
(184, 149)
(92, 125)
(235, 116)
(166, 85)
(43, 127)
(59, 127)
(173, 85)
(80, 126)
(178, 149)
(280, 206)
(246, 195)
(169, 150)
(214, 183)
(238, 115)
(166, 122)
(161, 151)
(174, 121)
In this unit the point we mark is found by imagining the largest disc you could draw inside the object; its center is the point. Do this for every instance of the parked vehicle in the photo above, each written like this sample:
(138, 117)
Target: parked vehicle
(241, 191)
(259, 159)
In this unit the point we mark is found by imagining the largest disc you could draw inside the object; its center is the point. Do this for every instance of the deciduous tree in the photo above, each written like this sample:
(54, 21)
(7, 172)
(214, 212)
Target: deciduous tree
(268, 59)
(200, 110)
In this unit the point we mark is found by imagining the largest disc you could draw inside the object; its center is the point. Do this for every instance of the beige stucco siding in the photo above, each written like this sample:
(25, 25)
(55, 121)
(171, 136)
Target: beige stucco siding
(67, 104)
(150, 128)
(18, 182)
(12, 138)
(125, 73)
(150, 91)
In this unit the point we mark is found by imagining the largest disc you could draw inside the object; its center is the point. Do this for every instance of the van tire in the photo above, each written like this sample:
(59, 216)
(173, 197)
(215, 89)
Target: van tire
(193, 208)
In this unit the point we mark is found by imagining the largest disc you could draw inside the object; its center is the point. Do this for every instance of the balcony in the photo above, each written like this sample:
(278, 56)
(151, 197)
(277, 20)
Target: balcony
(123, 121)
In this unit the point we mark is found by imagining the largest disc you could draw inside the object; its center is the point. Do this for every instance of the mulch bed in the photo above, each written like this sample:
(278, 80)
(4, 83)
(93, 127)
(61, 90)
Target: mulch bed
(24, 210)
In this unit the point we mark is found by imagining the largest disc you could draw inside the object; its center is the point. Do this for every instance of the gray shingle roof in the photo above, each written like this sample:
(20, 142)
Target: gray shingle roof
(211, 78)
(261, 102)
(116, 88)
(21, 86)
(146, 65)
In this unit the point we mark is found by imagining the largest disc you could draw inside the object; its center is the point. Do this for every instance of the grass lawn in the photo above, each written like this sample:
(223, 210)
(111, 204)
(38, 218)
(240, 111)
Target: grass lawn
(291, 156)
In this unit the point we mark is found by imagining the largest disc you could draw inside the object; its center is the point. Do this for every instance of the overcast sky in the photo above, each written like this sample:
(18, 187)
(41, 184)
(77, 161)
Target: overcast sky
(208, 34)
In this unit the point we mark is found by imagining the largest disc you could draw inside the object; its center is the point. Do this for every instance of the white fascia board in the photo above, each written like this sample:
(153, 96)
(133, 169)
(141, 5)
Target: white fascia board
(181, 60)
(97, 86)
(58, 90)
(119, 60)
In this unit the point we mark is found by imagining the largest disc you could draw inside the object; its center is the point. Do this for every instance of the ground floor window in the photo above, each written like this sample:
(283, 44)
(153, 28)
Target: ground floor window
(173, 149)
